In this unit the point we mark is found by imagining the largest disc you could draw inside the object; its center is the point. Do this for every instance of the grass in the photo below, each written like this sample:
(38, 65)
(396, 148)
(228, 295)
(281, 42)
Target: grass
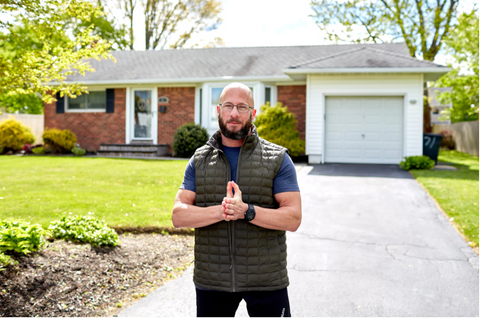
(456, 192)
(122, 192)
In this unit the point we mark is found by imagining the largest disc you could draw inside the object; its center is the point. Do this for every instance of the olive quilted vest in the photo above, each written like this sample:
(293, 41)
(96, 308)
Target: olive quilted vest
(237, 255)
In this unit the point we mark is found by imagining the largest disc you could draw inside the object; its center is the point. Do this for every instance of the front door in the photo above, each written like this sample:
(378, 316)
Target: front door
(144, 115)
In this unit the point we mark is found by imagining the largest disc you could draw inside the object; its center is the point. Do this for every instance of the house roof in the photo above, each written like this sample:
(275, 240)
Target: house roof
(248, 63)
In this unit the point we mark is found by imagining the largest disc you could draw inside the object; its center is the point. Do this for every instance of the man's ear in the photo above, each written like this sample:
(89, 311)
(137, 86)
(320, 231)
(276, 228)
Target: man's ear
(253, 114)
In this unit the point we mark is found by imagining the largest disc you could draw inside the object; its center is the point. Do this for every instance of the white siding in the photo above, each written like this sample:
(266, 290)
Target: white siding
(410, 86)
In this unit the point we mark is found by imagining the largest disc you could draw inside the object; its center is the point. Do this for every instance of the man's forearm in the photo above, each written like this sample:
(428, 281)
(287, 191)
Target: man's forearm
(191, 216)
(283, 218)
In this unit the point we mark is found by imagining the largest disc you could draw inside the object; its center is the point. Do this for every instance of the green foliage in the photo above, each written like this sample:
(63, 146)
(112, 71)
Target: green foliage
(21, 237)
(78, 151)
(38, 46)
(84, 229)
(38, 150)
(277, 125)
(188, 138)
(13, 134)
(21, 103)
(58, 140)
(5, 261)
(417, 162)
(463, 46)
(415, 22)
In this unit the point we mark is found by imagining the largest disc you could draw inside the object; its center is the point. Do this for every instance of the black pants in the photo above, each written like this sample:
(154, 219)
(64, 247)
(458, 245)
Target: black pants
(259, 303)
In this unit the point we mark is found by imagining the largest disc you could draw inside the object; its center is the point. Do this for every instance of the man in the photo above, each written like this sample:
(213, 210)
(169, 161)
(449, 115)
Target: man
(240, 193)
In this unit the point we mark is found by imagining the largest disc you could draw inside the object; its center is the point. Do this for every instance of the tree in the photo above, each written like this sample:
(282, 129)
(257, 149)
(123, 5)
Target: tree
(462, 44)
(40, 64)
(422, 24)
(171, 24)
(278, 125)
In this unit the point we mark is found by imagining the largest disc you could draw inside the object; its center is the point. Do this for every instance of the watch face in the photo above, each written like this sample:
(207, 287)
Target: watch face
(250, 213)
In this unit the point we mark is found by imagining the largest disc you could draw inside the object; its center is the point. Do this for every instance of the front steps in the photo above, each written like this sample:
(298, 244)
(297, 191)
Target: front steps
(140, 150)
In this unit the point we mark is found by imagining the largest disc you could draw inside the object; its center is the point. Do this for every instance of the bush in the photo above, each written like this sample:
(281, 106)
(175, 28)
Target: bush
(5, 261)
(277, 125)
(13, 135)
(447, 140)
(38, 150)
(78, 151)
(188, 138)
(84, 229)
(59, 141)
(21, 237)
(417, 162)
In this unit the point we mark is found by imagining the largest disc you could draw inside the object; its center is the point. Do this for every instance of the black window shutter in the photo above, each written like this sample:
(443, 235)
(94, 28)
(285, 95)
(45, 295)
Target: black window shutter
(60, 103)
(110, 100)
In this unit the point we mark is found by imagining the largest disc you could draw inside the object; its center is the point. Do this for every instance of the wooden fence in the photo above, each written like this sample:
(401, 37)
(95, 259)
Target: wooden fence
(34, 121)
(465, 135)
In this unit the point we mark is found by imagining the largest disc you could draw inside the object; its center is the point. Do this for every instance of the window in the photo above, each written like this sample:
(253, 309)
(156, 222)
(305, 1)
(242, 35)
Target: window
(268, 95)
(95, 100)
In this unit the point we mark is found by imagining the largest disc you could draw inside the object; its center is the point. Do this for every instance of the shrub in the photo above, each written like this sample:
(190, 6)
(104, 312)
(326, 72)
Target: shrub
(447, 140)
(417, 162)
(13, 135)
(78, 151)
(38, 150)
(5, 261)
(277, 125)
(188, 138)
(1, 149)
(84, 229)
(21, 237)
(59, 141)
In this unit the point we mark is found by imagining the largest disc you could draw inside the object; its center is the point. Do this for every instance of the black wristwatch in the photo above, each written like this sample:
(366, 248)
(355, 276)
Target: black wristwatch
(250, 213)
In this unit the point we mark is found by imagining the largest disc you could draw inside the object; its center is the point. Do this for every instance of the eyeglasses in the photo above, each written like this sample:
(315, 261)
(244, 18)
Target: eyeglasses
(228, 107)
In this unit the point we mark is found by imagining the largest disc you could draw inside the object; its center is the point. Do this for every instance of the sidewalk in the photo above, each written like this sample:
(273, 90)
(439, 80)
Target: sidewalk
(367, 246)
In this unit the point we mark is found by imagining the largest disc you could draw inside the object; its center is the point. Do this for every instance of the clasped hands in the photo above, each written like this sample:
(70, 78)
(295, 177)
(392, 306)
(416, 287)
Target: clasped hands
(233, 207)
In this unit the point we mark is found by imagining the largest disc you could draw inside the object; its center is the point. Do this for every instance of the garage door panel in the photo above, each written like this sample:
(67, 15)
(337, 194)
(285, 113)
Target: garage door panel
(364, 129)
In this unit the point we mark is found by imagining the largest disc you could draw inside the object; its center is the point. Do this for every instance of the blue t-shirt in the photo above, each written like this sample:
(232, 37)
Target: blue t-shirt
(285, 181)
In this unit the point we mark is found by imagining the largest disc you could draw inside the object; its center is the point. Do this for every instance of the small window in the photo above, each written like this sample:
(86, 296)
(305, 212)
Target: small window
(268, 95)
(95, 100)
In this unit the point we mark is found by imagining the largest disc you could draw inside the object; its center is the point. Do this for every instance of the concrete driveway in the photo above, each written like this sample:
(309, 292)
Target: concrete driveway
(371, 243)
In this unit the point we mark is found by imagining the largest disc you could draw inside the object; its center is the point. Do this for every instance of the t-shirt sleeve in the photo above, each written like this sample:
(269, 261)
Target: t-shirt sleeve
(189, 177)
(286, 179)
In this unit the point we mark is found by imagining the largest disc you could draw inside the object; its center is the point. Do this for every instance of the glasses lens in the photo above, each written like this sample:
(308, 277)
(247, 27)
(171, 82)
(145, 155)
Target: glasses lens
(242, 108)
(227, 106)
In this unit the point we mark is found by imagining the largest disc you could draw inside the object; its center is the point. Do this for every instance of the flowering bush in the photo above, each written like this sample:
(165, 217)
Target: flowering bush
(59, 141)
(21, 237)
(13, 135)
(84, 229)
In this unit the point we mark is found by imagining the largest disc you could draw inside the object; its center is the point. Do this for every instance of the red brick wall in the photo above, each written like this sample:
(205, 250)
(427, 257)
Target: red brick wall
(295, 97)
(91, 129)
(180, 110)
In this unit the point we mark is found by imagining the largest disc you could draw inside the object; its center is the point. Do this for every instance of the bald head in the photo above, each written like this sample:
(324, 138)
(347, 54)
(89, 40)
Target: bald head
(238, 89)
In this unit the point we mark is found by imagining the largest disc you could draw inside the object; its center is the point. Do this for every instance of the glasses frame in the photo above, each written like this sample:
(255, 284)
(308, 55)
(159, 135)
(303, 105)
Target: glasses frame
(233, 106)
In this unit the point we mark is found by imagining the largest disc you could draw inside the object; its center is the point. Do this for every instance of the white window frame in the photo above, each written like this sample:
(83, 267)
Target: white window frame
(68, 110)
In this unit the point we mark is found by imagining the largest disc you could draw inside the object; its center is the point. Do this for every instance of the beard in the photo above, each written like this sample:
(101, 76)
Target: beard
(234, 135)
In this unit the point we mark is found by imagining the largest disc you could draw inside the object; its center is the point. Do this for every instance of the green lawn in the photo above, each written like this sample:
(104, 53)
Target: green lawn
(456, 191)
(123, 192)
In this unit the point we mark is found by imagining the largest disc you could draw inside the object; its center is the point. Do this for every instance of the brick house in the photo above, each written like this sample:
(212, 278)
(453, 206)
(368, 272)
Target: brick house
(359, 103)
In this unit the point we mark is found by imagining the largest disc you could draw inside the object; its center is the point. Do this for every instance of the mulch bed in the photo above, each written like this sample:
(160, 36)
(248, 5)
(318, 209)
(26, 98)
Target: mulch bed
(76, 280)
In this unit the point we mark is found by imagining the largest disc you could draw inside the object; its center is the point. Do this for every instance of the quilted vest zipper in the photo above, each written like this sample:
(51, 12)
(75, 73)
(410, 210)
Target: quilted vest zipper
(231, 229)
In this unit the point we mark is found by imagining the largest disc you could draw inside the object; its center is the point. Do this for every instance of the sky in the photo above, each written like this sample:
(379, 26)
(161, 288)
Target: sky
(263, 23)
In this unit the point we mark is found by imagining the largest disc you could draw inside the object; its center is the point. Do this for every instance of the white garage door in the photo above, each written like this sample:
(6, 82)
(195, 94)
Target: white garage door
(364, 130)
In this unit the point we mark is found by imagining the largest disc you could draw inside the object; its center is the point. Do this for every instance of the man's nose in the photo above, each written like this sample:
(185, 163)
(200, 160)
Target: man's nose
(234, 112)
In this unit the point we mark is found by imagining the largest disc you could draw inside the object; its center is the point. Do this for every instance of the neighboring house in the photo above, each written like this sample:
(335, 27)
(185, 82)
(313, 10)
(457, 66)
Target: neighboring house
(437, 107)
(359, 103)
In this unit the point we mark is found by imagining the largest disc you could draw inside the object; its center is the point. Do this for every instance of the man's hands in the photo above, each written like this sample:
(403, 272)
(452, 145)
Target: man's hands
(233, 207)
